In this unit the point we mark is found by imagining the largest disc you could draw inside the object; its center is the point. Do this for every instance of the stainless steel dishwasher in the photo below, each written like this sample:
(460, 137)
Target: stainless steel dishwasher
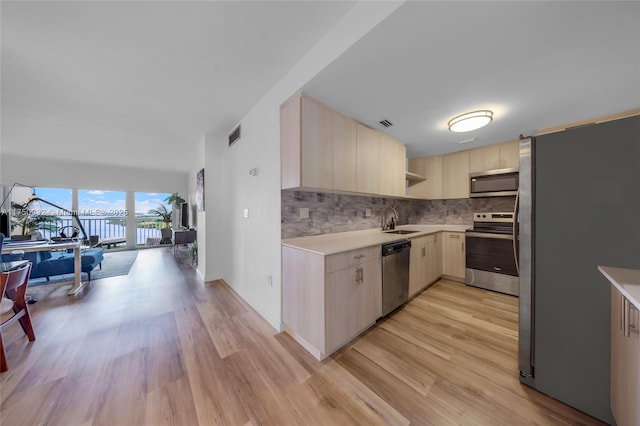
(395, 275)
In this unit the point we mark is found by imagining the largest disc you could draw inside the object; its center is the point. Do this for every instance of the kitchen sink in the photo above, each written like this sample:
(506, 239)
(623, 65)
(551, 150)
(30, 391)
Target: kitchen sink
(400, 231)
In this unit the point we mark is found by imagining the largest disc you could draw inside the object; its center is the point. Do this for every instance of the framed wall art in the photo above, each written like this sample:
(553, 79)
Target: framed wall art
(200, 190)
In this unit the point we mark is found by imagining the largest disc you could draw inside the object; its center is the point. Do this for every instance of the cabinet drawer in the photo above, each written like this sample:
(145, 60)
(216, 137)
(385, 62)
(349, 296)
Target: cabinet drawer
(339, 261)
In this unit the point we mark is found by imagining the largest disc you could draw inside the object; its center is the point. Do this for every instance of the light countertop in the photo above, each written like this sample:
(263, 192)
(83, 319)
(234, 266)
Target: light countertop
(327, 244)
(627, 281)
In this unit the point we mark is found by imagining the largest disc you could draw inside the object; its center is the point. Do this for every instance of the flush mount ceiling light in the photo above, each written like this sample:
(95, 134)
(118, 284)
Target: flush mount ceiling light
(470, 121)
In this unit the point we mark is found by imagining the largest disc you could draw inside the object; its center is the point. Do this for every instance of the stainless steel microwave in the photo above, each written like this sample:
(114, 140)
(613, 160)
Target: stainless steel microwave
(494, 183)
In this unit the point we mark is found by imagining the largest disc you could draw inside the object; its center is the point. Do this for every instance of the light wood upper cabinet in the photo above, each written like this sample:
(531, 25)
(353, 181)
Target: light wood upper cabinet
(453, 262)
(431, 169)
(306, 144)
(510, 155)
(393, 156)
(625, 361)
(344, 152)
(448, 175)
(455, 175)
(491, 157)
(317, 144)
(324, 149)
(484, 158)
(368, 154)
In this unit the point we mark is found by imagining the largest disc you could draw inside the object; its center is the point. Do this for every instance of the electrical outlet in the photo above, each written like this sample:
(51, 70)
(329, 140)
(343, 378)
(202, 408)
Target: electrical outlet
(245, 213)
(269, 280)
(367, 212)
(304, 213)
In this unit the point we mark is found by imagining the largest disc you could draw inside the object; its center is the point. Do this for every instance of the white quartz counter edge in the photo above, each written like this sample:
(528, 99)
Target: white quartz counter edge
(327, 244)
(627, 281)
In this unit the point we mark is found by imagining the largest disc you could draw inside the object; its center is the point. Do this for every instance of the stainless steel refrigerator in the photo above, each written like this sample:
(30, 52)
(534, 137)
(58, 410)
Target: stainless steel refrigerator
(579, 207)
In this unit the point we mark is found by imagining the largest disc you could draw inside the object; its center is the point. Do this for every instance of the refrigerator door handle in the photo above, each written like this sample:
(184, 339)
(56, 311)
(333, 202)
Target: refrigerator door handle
(516, 208)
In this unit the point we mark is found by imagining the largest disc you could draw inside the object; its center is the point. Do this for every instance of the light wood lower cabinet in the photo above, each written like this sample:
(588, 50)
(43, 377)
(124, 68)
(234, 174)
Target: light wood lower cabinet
(453, 262)
(329, 300)
(417, 265)
(434, 257)
(625, 361)
(425, 265)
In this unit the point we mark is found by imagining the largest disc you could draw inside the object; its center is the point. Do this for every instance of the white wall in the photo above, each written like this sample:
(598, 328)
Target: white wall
(244, 251)
(197, 219)
(66, 174)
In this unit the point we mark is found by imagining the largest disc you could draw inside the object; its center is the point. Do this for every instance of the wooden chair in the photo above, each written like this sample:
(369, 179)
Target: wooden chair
(14, 284)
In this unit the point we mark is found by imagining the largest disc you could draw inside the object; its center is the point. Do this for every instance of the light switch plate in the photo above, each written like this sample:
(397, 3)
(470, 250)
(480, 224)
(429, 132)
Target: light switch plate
(304, 213)
(367, 212)
(245, 213)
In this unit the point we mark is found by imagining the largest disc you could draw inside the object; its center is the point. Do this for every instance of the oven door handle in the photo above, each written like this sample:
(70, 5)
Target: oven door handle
(477, 234)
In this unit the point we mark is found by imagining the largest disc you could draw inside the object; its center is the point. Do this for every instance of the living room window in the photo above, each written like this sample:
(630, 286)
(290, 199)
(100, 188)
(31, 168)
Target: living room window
(153, 215)
(104, 215)
(40, 210)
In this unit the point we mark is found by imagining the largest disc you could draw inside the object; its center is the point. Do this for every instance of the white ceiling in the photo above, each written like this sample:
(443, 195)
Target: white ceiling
(535, 64)
(140, 83)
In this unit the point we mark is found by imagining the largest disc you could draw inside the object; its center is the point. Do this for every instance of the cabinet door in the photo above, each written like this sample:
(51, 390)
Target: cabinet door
(341, 310)
(369, 291)
(625, 363)
(317, 145)
(453, 254)
(431, 169)
(510, 155)
(484, 158)
(417, 265)
(367, 160)
(344, 152)
(290, 154)
(433, 250)
(393, 166)
(455, 175)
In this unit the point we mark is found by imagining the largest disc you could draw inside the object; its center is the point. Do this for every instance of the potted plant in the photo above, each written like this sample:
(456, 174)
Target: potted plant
(193, 252)
(30, 223)
(175, 201)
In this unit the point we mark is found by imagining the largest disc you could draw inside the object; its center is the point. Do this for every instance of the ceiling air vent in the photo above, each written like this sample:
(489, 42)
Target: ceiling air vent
(234, 136)
(386, 123)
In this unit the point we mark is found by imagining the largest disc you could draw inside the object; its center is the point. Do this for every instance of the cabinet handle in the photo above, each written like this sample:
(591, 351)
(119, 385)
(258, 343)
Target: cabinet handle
(424, 251)
(621, 312)
(462, 248)
(360, 256)
(456, 236)
(359, 275)
(632, 328)
(497, 268)
(625, 318)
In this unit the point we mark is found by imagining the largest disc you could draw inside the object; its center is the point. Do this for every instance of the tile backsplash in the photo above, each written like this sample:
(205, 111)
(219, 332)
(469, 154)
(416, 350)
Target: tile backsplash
(329, 213)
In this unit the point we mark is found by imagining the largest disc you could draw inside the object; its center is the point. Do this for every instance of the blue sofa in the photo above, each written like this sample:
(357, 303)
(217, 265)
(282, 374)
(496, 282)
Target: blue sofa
(46, 263)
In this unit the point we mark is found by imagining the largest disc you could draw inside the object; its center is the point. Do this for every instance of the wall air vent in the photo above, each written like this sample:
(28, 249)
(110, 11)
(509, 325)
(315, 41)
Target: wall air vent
(234, 136)
(386, 123)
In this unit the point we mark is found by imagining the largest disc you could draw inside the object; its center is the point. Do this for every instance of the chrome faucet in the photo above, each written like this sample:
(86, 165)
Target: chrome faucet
(386, 225)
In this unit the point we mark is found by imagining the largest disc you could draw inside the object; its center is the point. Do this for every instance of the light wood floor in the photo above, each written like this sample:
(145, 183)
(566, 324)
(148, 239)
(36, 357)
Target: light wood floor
(159, 347)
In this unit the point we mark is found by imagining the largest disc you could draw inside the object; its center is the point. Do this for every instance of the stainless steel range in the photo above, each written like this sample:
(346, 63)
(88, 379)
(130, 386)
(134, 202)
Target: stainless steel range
(491, 253)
